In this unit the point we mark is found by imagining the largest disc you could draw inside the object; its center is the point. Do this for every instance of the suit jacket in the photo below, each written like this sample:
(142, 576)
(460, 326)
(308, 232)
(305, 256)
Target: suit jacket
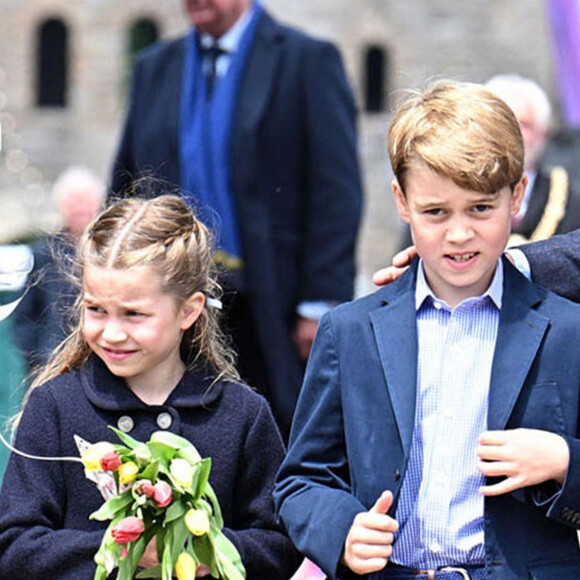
(353, 426)
(295, 177)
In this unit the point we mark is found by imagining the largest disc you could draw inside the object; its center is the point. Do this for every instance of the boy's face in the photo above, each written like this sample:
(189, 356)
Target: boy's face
(459, 234)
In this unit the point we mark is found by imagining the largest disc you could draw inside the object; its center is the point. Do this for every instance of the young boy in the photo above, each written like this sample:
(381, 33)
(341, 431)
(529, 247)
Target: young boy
(436, 435)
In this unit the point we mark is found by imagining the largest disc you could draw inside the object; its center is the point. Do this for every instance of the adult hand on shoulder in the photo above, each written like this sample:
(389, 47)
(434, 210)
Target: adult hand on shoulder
(369, 543)
(401, 261)
(523, 456)
(303, 336)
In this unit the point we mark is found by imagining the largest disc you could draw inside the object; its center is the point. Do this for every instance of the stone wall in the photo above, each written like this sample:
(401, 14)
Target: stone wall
(423, 39)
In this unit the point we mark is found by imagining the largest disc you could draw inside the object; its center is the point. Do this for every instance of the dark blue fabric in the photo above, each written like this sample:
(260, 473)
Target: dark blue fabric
(42, 319)
(45, 532)
(555, 263)
(403, 573)
(206, 138)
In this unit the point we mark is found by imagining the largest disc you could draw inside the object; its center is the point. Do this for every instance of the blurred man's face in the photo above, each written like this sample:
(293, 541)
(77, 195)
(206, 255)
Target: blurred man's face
(214, 17)
(535, 136)
(77, 209)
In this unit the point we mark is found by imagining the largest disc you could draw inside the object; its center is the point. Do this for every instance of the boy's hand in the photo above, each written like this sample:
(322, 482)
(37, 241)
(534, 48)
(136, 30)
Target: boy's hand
(524, 456)
(369, 543)
(400, 263)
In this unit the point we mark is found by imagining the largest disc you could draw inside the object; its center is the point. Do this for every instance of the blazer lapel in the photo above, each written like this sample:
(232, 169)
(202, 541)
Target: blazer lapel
(520, 334)
(260, 72)
(395, 329)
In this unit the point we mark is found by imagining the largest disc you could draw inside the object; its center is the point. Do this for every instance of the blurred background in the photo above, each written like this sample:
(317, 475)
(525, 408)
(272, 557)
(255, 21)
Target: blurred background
(65, 67)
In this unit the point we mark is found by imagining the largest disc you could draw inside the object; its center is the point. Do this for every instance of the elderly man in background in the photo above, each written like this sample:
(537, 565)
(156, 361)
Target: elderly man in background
(551, 205)
(40, 322)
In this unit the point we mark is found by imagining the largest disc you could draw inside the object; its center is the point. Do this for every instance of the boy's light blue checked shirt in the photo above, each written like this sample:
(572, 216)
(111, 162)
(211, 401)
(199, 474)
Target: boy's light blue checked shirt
(440, 511)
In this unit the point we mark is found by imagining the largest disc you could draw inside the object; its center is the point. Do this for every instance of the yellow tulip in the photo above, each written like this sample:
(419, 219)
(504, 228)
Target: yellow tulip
(128, 472)
(197, 522)
(182, 471)
(92, 456)
(185, 567)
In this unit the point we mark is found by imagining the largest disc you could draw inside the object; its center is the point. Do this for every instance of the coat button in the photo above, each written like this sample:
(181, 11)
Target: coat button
(164, 420)
(125, 424)
(397, 475)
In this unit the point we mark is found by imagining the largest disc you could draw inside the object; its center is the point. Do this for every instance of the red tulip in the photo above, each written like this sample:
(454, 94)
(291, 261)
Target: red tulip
(111, 461)
(162, 494)
(128, 530)
(144, 487)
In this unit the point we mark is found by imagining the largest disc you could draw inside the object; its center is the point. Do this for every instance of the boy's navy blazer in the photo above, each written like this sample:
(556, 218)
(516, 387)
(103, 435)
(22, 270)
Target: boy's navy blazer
(295, 177)
(354, 423)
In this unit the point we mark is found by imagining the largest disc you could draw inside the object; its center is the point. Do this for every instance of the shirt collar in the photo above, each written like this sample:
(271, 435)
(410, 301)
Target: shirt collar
(229, 41)
(494, 291)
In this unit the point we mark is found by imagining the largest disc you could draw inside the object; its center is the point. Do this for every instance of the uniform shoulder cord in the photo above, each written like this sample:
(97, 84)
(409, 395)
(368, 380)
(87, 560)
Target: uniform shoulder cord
(554, 211)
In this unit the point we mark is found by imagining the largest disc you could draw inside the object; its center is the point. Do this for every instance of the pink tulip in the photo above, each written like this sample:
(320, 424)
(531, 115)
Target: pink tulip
(111, 461)
(162, 494)
(144, 487)
(128, 530)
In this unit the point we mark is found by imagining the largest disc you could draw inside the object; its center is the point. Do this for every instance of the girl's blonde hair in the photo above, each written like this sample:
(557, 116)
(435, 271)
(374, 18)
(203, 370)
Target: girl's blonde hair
(164, 234)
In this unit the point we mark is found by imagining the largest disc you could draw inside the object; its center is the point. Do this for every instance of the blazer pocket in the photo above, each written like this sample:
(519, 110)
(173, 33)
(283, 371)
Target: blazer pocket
(540, 407)
(561, 569)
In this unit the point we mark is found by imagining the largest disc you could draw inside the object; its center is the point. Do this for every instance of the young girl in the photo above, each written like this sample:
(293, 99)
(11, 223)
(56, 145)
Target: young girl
(146, 355)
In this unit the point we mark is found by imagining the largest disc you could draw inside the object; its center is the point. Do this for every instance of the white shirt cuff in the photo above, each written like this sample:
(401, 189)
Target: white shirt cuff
(520, 262)
(314, 310)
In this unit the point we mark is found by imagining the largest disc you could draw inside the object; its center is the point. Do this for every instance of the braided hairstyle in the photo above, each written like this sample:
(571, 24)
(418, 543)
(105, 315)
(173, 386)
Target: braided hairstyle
(162, 233)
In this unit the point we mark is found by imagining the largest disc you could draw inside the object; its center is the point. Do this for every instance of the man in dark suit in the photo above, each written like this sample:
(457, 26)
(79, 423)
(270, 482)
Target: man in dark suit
(259, 132)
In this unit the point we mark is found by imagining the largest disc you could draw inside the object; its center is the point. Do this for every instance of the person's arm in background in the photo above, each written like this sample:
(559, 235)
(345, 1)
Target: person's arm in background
(555, 263)
(333, 190)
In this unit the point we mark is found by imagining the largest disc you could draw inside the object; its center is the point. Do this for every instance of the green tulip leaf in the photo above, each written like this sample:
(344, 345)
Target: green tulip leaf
(154, 572)
(112, 507)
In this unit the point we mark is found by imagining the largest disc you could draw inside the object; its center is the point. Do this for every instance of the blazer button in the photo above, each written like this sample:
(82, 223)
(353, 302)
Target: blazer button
(125, 424)
(164, 420)
(397, 475)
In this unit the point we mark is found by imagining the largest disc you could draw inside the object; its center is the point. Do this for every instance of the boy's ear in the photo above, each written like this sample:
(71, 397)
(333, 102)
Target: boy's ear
(518, 195)
(400, 200)
(191, 309)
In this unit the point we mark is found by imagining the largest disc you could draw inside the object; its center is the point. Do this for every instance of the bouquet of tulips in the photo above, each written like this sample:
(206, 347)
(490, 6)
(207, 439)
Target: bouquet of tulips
(160, 490)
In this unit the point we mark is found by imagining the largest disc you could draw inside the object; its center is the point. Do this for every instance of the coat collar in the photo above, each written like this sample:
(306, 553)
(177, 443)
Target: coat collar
(521, 331)
(255, 92)
(395, 329)
(110, 393)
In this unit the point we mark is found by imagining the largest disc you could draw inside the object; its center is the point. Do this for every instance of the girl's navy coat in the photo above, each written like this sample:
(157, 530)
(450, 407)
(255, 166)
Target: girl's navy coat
(45, 531)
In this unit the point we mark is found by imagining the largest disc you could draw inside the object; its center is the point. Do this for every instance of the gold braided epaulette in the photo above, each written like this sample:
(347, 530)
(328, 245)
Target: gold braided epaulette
(554, 211)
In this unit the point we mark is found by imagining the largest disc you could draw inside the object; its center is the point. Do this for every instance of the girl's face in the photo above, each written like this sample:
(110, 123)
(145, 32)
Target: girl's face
(135, 327)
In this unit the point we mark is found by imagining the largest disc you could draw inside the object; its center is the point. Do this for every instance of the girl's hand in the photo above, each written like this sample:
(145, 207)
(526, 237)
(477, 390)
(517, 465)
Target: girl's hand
(369, 543)
(524, 456)
(202, 571)
(149, 560)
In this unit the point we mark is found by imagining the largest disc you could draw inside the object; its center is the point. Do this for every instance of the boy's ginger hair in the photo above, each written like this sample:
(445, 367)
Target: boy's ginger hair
(461, 131)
